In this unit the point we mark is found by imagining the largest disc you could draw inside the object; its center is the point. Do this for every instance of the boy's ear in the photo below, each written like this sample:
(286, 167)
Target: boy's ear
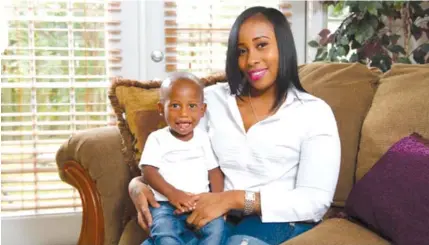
(160, 108)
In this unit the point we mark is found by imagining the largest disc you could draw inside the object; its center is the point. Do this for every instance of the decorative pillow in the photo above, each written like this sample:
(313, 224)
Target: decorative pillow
(348, 89)
(393, 197)
(400, 107)
(135, 106)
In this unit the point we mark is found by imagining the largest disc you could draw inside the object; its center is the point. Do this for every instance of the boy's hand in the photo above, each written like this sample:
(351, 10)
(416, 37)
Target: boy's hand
(182, 201)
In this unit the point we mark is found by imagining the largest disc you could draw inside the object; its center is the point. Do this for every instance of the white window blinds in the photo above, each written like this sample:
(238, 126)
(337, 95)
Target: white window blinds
(196, 32)
(54, 80)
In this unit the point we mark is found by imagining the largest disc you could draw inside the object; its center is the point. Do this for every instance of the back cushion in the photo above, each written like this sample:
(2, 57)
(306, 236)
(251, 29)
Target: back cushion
(400, 107)
(348, 89)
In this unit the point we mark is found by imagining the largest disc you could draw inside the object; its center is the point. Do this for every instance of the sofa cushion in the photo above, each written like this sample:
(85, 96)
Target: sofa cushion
(135, 106)
(132, 101)
(399, 108)
(393, 197)
(337, 232)
(348, 89)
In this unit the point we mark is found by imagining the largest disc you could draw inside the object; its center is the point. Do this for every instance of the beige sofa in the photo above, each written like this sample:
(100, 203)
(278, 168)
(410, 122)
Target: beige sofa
(373, 110)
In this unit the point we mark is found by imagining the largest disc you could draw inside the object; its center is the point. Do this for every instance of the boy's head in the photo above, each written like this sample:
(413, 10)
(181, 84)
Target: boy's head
(182, 103)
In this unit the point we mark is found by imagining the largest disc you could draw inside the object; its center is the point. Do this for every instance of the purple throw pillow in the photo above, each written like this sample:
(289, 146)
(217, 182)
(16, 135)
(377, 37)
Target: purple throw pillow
(393, 197)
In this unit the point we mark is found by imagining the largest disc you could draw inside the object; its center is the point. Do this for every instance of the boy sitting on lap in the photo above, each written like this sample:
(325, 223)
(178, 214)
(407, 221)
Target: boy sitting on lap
(178, 162)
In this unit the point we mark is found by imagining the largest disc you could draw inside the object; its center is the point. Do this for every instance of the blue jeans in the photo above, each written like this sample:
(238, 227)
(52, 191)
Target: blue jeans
(171, 229)
(251, 231)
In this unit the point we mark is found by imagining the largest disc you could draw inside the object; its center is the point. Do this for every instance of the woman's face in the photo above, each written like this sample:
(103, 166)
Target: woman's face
(258, 52)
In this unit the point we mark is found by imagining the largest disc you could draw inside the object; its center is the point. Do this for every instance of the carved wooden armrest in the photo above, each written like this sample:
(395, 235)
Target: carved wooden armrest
(93, 163)
(92, 230)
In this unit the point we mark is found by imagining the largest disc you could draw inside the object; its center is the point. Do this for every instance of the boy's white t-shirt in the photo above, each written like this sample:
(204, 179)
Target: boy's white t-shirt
(183, 164)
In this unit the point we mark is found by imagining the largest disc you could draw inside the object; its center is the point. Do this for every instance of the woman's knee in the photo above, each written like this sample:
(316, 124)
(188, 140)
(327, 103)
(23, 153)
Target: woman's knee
(244, 240)
(168, 240)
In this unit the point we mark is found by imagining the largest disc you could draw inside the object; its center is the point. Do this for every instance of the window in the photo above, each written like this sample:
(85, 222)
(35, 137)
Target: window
(198, 43)
(335, 17)
(54, 80)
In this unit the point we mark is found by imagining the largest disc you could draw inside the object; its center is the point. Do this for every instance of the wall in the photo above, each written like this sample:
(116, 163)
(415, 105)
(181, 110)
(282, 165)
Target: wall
(61, 229)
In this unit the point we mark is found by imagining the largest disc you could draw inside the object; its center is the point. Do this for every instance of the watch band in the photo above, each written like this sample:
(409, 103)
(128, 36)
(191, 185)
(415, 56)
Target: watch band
(249, 202)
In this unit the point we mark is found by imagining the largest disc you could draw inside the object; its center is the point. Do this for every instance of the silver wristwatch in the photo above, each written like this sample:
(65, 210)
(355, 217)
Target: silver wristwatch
(249, 202)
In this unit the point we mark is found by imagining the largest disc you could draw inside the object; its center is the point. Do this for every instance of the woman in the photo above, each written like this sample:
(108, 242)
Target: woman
(277, 145)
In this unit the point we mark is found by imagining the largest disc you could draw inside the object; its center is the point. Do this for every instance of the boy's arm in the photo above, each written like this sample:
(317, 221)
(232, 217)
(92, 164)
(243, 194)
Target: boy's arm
(216, 180)
(179, 199)
(153, 178)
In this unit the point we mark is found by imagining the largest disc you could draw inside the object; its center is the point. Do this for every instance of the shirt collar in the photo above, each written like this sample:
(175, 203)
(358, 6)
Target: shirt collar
(293, 94)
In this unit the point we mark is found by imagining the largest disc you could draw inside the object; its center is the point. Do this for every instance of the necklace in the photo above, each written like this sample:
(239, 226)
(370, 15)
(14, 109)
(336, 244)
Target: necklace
(253, 109)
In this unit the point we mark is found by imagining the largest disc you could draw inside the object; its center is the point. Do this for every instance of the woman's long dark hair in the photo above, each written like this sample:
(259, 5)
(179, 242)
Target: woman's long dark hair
(288, 68)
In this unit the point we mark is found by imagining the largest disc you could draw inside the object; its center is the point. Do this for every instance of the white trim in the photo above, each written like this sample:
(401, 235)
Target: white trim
(130, 40)
(316, 21)
(153, 13)
(298, 27)
(142, 40)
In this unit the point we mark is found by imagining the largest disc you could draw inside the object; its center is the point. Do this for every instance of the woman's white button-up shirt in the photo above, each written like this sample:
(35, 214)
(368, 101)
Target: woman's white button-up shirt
(292, 157)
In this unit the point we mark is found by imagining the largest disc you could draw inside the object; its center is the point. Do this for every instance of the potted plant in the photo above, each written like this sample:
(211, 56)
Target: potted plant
(377, 33)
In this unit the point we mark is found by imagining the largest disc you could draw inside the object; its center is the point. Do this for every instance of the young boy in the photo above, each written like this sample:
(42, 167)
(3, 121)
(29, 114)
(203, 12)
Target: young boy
(178, 161)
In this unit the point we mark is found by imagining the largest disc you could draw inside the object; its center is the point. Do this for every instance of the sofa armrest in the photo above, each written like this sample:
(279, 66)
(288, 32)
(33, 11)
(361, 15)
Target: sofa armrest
(338, 232)
(93, 163)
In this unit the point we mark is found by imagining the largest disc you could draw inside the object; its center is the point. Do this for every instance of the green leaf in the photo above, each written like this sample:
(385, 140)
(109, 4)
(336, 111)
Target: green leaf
(313, 44)
(404, 60)
(344, 40)
(351, 29)
(425, 47)
(372, 10)
(338, 9)
(378, 4)
(341, 51)
(419, 56)
(416, 31)
(333, 53)
(364, 33)
(355, 44)
(360, 37)
(417, 9)
(353, 6)
(347, 49)
(363, 6)
(319, 52)
(324, 55)
(381, 61)
(396, 49)
(394, 38)
(353, 58)
(373, 21)
(385, 40)
(398, 4)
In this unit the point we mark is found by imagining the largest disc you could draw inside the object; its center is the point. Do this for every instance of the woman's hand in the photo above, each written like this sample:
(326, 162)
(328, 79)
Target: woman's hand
(209, 207)
(141, 196)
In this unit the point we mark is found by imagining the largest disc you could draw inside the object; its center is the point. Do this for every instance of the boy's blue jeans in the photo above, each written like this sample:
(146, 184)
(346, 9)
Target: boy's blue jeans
(171, 229)
(249, 231)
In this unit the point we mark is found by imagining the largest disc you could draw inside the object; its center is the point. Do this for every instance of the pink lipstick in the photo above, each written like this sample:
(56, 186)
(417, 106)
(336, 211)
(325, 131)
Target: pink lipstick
(255, 75)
